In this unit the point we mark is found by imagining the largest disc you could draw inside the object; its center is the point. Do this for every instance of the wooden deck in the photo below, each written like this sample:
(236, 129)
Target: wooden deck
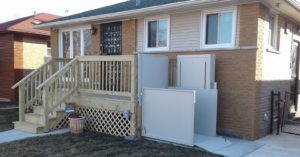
(104, 84)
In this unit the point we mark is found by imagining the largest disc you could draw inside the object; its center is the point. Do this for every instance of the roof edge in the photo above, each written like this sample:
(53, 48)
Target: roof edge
(127, 13)
(294, 3)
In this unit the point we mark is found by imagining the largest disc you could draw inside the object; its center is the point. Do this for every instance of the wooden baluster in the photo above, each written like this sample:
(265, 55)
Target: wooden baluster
(125, 76)
(90, 71)
(113, 75)
(110, 76)
(46, 107)
(98, 75)
(27, 91)
(55, 90)
(77, 74)
(93, 74)
(118, 79)
(102, 75)
(106, 75)
(129, 76)
(122, 77)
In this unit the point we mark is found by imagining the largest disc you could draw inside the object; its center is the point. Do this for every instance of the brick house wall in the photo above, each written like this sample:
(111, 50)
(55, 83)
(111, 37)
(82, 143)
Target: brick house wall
(244, 91)
(34, 51)
(268, 79)
(12, 59)
(6, 65)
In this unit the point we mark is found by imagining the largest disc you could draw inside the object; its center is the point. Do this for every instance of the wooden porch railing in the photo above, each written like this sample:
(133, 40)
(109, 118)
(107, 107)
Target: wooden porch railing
(106, 75)
(28, 94)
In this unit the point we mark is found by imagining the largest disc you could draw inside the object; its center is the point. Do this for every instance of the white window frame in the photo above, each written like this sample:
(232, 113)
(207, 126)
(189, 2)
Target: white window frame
(71, 29)
(156, 18)
(204, 24)
(275, 38)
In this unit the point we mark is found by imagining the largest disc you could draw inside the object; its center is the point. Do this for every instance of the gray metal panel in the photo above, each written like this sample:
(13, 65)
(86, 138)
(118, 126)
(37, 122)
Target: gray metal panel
(153, 72)
(168, 114)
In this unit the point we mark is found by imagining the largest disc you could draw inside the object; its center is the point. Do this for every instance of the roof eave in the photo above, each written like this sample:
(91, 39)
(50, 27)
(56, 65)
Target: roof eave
(294, 3)
(125, 14)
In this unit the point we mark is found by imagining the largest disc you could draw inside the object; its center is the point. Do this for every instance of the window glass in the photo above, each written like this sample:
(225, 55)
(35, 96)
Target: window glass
(76, 43)
(162, 33)
(219, 29)
(73, 44)
(271, 30)
(212, 29)
(225, 28)
(87, 42)
(152, 33)
(66, 44)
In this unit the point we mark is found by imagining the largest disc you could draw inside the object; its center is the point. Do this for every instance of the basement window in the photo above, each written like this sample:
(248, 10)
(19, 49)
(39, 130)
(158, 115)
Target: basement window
(219, 27)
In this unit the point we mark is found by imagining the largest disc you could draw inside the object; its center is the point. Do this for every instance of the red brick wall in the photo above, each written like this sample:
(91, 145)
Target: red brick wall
(7, 74)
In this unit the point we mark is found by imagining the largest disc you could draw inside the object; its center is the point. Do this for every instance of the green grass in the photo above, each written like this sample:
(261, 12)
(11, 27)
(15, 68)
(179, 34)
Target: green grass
(7, 116)
(94, 145)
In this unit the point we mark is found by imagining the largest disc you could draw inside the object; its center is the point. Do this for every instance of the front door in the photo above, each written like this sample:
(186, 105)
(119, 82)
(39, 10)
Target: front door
(111, 38)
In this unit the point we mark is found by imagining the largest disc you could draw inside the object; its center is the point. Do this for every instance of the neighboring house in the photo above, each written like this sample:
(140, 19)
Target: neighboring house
(255, 43)
(22, 49)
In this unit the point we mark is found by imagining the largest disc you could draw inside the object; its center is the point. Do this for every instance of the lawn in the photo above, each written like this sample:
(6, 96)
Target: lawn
(7, 116)
(94, 145)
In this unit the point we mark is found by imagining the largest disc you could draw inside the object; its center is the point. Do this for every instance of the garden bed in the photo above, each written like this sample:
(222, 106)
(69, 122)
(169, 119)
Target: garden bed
(94, 144)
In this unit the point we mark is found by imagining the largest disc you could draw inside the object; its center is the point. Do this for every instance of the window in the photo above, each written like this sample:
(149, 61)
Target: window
(157, 34)
(272, 35)
(48, 48)
(75, 42)
(219, 28)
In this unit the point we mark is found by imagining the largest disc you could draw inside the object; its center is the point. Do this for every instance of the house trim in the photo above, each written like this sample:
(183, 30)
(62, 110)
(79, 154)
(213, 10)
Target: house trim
(139, 12)
(206, 50)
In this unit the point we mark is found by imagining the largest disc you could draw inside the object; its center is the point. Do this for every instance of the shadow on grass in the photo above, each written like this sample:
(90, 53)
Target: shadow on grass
(94, 145)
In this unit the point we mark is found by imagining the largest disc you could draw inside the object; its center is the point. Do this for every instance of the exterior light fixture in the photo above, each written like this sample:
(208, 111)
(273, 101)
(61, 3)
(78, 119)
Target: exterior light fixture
(93, 30)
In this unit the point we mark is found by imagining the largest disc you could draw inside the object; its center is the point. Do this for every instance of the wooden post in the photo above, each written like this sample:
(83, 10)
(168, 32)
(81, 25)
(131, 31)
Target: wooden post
(22, 102)
(138, 107)
(46, 106)
(133, 79)
(77, 76)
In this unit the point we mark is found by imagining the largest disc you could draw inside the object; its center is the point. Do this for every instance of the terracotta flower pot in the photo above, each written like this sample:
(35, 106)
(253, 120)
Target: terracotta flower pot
(76, 125)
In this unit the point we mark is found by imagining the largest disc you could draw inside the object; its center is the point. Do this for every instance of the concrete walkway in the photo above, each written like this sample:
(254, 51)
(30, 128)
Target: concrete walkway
(226, 146)
(283, 145)
(13, 135)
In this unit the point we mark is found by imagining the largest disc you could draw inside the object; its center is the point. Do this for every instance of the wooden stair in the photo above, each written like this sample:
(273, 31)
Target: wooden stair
(34, 122)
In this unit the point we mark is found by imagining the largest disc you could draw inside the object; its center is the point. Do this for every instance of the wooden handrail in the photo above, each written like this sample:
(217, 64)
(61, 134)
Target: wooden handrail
(105, 75)
(51, 79)
(30, 74)
(107, 58)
